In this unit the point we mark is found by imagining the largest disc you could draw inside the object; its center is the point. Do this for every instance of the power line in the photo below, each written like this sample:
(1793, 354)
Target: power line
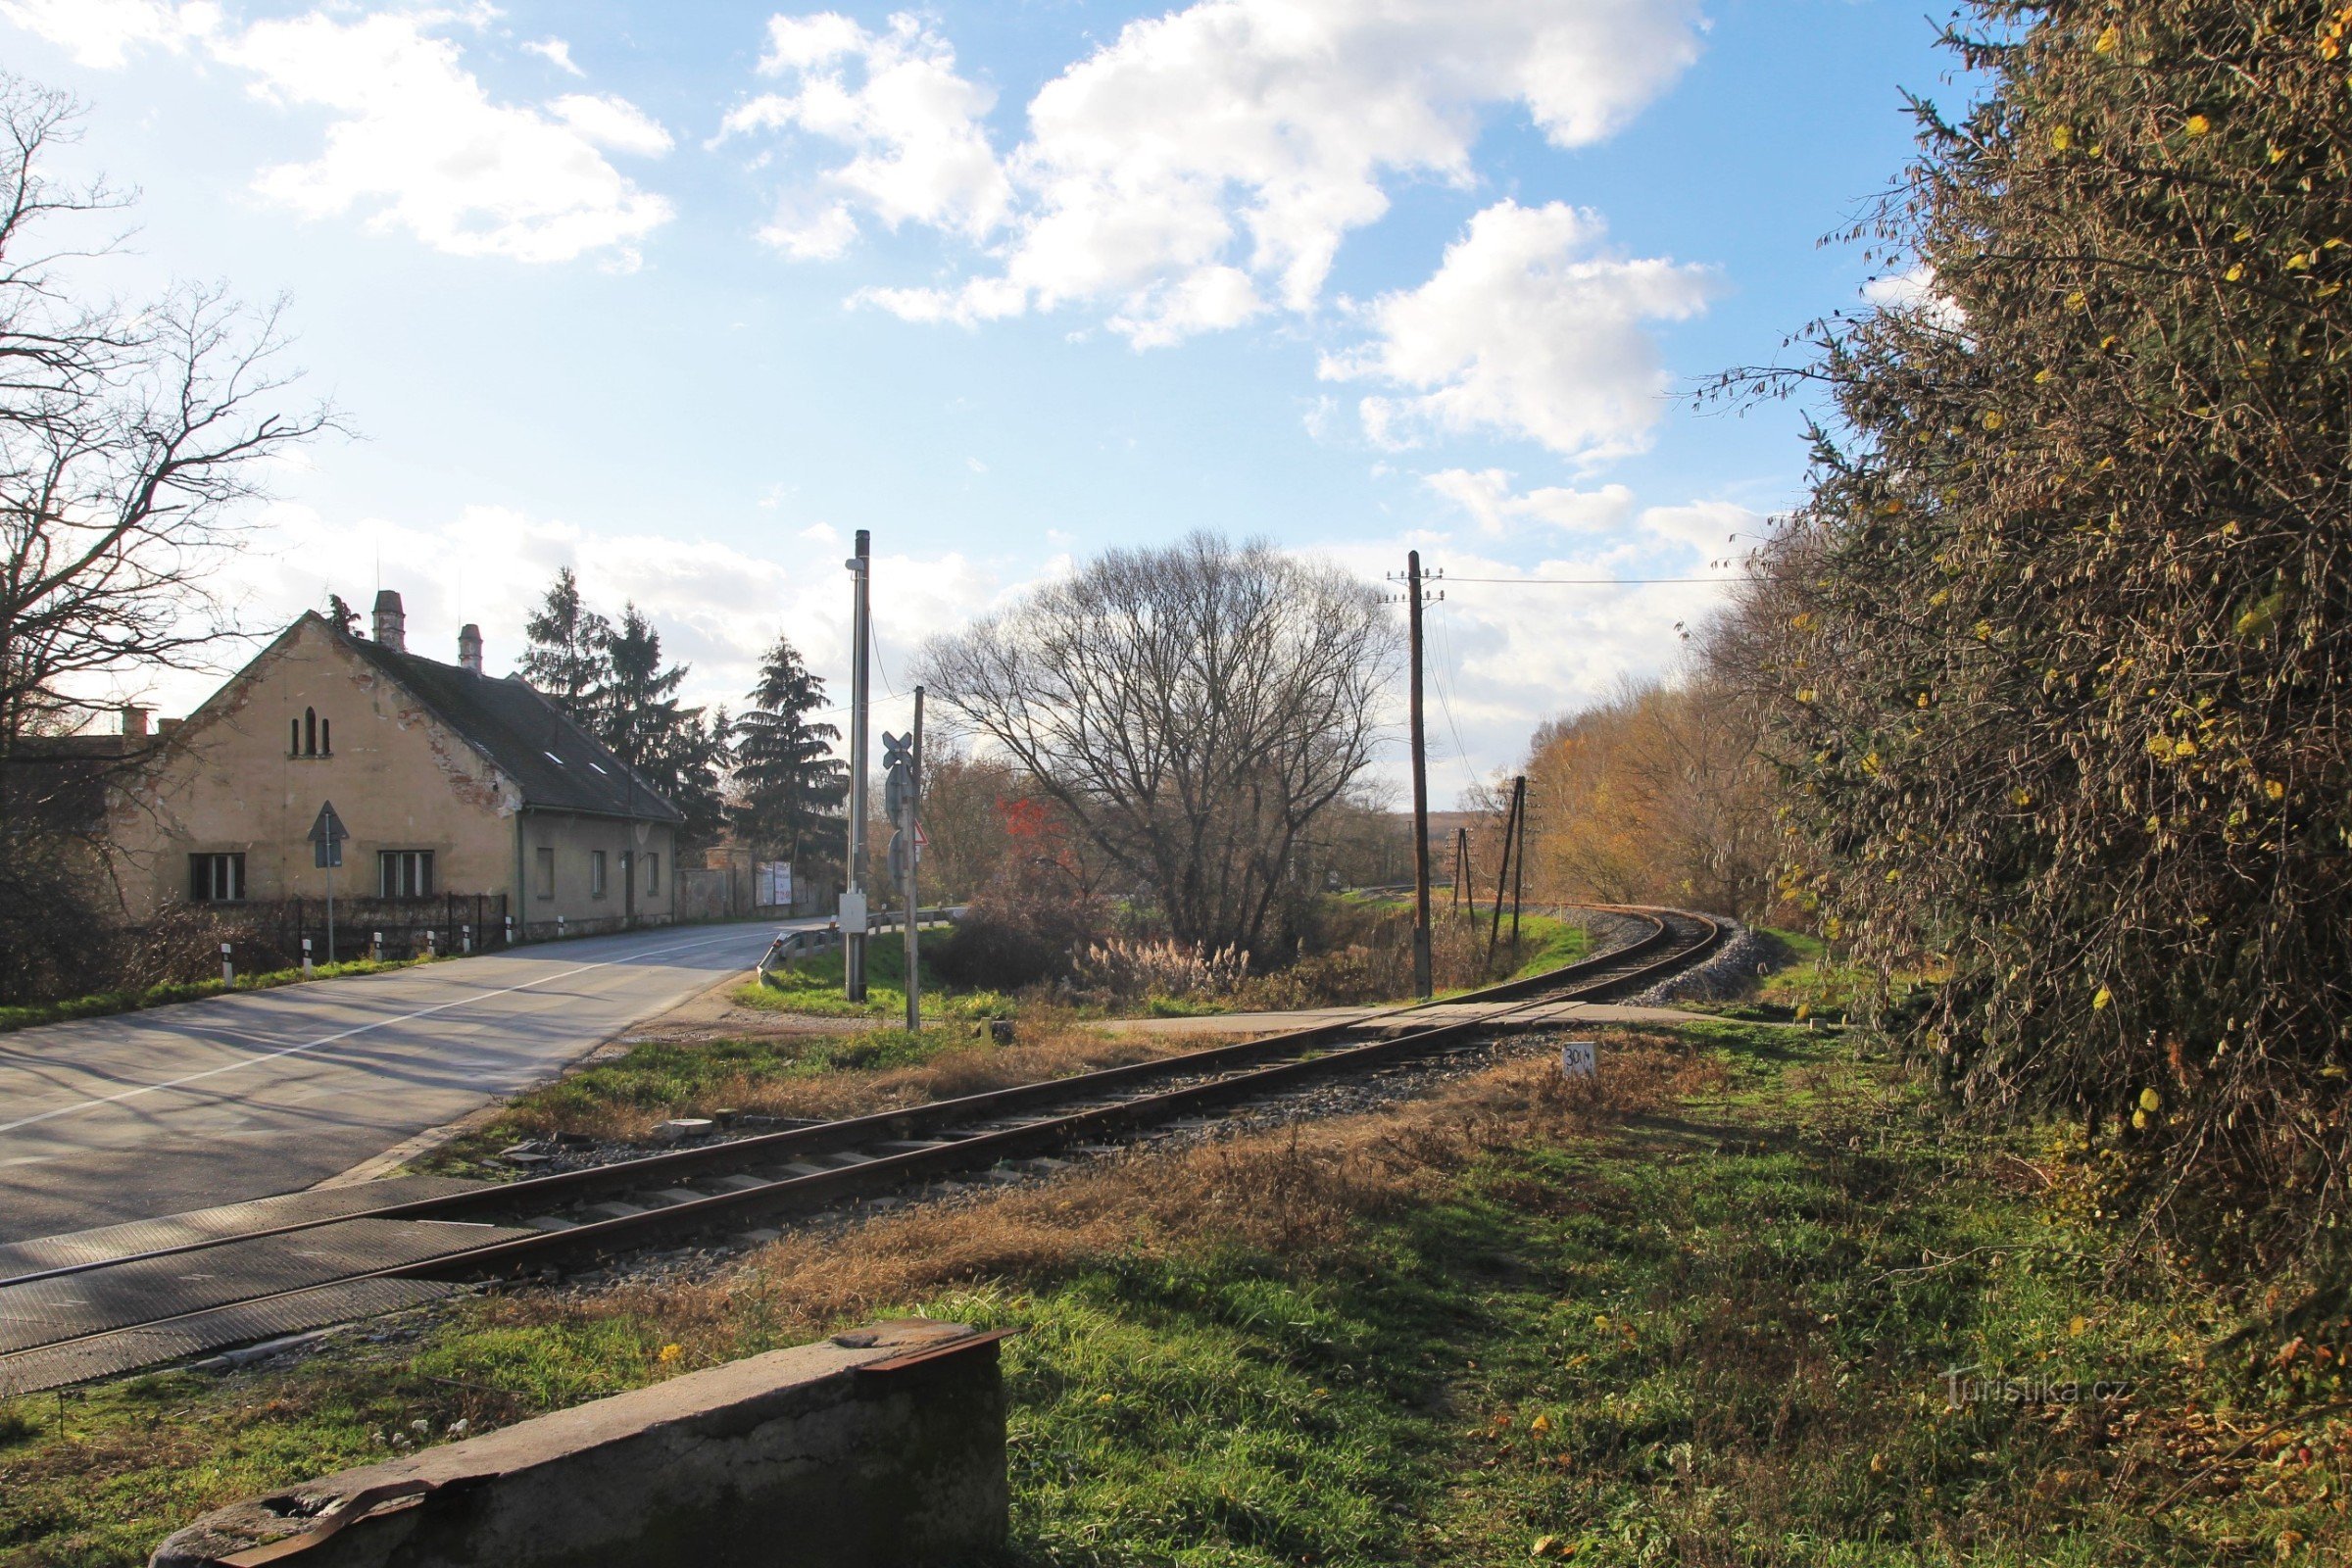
(1461, 751)
(1588, 582)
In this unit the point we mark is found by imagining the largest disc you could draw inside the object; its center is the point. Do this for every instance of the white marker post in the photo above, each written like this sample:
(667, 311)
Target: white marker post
(1580, 1059)
(229, 970)
(305, 958)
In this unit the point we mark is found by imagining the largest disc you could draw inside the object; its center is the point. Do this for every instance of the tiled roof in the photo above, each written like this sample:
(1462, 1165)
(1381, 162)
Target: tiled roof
(559, 765)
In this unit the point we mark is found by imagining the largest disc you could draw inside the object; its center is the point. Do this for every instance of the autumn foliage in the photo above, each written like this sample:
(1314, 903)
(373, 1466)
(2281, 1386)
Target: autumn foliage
(1656, 796)
(2055, 659)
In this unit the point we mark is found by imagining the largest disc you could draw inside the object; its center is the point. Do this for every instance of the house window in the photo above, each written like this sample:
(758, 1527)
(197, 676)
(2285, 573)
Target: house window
(309, 735)
(215, 878)
(596, 873)
(653, 873)
(404, 873)
(547, 873)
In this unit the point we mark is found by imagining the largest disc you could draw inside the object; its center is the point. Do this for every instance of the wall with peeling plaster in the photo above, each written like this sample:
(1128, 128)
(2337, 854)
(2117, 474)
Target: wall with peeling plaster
(231, 780)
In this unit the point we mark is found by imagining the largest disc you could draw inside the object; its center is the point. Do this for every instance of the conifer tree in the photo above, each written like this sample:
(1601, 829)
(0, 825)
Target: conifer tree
(790, 787)
(568, 658)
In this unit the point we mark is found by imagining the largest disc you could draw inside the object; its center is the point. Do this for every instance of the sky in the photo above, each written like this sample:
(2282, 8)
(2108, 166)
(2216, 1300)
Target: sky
(681, 296)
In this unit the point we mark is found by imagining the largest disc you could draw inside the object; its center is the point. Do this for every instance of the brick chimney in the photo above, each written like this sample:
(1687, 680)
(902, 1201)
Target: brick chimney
(391, 623)
(134, 720)
(470, 648)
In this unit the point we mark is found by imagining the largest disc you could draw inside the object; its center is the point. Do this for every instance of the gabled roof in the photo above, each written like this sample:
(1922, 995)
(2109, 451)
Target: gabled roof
(558, 766)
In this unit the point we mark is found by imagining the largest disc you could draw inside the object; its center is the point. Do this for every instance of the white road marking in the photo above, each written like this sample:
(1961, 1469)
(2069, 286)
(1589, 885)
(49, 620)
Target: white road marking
(346, 1034)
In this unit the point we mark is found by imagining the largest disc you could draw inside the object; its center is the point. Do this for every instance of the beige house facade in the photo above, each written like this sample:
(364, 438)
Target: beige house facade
(450, 784)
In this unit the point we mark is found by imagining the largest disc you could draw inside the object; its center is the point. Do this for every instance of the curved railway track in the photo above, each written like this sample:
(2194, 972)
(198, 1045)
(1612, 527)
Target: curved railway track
(110, 1301)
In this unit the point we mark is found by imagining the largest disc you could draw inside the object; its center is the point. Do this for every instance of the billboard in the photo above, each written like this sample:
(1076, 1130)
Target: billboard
(771, 884)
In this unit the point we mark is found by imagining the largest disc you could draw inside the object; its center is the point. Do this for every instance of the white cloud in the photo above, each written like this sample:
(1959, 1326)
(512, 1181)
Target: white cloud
(103, 32)
(1486, 495)
(1712, 528)
(613, 122)
(1505, 655)
(1914, 289)
(1205, 164)
(1527, 329)
(413, 139)
(557, 53)
(916, 130)
(718, 607)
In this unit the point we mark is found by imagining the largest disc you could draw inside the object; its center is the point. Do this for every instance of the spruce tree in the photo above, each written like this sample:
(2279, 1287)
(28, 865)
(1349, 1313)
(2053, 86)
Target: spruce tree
(639, 715)
(567, 655)
(790, 787)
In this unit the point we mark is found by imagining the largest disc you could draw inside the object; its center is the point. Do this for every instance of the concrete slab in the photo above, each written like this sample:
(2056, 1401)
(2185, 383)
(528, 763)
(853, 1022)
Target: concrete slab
(880, 1445)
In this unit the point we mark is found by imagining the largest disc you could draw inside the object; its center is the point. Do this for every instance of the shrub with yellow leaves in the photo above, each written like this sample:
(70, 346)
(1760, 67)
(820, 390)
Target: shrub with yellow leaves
(2093, 492)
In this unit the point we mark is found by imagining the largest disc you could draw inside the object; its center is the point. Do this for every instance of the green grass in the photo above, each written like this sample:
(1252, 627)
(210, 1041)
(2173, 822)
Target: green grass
(106, 1004)
(663, 1079)
(1814, 983)
(811, 987)
(1547, 943)
(1714, 1331)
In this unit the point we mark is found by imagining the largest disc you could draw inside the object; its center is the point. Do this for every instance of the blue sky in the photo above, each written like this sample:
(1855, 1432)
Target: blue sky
(680, 295)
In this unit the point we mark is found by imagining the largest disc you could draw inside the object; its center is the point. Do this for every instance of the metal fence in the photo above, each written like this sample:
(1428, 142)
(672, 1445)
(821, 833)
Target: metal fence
(270, 934)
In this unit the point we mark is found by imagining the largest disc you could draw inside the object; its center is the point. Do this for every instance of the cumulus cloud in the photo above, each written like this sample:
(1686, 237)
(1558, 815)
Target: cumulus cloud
(1507, 653)
(1710, 528)
(916, 127)
(1205, 165)
(1485, 494)
(718, 607)
(1529, 327)
(414, 140)
(1914, 290)
(103, 32)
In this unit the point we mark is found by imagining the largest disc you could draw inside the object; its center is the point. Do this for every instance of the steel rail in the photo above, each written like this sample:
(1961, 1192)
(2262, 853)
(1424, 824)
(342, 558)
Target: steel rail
(973, 1142)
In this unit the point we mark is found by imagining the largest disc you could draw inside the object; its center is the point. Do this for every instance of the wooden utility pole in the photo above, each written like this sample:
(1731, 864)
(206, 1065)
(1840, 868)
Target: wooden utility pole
(1421, 969)
(1519, 865)
(1463, 887)
(1502, 873)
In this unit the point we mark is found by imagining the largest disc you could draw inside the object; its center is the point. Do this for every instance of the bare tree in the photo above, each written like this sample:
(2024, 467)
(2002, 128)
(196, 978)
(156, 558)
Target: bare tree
(1193, 709)
(128, 438)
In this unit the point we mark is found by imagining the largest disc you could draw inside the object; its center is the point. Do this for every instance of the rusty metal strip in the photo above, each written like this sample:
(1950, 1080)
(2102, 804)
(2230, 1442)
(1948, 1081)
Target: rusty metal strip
(935, 1353)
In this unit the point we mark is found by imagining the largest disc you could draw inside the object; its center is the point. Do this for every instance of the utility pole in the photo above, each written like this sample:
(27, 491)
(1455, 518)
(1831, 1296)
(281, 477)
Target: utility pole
(1502, 872)
(1463, 887)
(853, 901)
(1519, 866)
(1413, 598)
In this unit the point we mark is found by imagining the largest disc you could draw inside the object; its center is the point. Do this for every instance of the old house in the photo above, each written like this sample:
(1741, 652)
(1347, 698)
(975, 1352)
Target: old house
(450, 781)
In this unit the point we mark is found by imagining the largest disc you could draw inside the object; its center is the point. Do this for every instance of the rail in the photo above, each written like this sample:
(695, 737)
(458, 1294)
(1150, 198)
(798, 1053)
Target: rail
(802, 1169)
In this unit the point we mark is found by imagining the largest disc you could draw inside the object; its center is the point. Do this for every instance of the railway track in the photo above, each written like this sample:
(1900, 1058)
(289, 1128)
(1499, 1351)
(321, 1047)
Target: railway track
(101, 1302)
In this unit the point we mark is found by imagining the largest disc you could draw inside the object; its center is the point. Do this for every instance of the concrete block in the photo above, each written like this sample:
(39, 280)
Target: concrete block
(882, 1445)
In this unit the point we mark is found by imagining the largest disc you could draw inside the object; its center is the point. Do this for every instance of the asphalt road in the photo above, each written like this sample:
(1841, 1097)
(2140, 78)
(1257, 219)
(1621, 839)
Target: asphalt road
(235, 1098)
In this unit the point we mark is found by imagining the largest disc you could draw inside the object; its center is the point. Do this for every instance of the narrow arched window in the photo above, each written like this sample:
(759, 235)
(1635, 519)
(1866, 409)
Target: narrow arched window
(310, 732)
(293, 737)
(327, 736)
